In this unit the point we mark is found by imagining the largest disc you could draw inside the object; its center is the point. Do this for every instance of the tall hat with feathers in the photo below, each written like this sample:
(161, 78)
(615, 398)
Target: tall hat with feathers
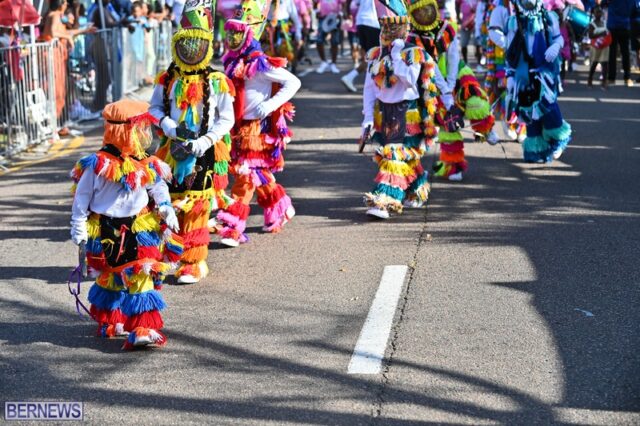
(192, 43)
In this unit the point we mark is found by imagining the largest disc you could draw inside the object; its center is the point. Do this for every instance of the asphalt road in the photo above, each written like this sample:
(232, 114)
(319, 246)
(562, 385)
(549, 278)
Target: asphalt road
(521, 305)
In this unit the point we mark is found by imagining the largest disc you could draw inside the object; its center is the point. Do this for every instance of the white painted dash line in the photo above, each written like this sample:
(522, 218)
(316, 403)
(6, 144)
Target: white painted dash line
(369, 351)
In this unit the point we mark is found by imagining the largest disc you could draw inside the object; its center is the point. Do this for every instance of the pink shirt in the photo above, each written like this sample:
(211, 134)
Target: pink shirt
(327, 7)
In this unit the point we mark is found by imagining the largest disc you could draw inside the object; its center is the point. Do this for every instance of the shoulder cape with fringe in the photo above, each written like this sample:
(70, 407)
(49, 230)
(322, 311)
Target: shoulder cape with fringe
(132, 174)
(381, 67)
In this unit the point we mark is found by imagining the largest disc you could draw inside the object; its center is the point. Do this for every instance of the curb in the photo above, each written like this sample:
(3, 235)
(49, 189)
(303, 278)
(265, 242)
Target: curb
(57, 150)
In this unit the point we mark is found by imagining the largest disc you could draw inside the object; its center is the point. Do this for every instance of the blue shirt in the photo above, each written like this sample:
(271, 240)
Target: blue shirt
(619, 14)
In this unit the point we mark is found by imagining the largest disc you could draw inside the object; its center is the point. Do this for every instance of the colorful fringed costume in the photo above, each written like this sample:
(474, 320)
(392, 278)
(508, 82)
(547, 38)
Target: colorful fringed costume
(283, 30)
(533, 45)
(401, 118)
(453, 78)
(260, 134)
(194, 106)
(495, 83)
(129, 247)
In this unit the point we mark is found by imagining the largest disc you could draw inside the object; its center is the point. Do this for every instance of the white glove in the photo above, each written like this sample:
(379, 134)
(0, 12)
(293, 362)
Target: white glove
(396, 48)
(367, 123)
(168, 127)
(551, 53)
(447, 100)
(79, 232)
(244, 169)
(169, 215)
(201, 145)
(263, 110)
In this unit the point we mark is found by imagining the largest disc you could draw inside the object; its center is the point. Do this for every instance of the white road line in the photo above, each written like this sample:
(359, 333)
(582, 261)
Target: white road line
(369, 351)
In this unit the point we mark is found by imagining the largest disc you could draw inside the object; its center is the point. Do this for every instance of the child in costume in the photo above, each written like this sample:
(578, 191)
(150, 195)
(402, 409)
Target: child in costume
(393, 107)
(495, 82)
(457, 86)
(194, 106)
(533, 44)
(124, 239)
(284, 33)
(260, 134)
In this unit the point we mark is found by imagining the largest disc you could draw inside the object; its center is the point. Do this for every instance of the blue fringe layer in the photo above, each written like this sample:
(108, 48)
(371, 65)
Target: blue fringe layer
(134, 304)
(391, 191)
(105, 299)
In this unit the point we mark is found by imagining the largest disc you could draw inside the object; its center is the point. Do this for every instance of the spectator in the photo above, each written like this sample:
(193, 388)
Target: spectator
(635, 33)
(138, 23)
(329, 12)
(176, 7)
(467, 28)
(368, 30)
(149, 45)
(123, 8)
(349, 26)
(619, 24)
(101, 47)
(54, 28)
(599, 52)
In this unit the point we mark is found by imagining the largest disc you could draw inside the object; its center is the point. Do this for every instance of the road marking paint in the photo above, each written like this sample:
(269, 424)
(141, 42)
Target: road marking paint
(72, 146)
(369, 351)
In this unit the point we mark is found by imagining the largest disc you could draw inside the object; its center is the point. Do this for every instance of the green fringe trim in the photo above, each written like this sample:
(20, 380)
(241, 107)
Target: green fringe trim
(477, 108)
(464, 70)
(559, 134)
(221, 168)
(535, 144)
(449, 136)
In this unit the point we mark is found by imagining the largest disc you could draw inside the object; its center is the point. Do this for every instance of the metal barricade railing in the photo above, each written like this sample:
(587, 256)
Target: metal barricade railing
(47, 86)
(91, 76)
(27, 97)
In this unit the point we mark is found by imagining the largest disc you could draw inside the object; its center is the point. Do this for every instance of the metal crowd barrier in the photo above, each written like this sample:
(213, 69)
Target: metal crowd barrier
(27, 97)
(47, 86)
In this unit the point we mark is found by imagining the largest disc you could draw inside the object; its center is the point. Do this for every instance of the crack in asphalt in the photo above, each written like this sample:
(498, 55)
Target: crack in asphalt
(380, 400)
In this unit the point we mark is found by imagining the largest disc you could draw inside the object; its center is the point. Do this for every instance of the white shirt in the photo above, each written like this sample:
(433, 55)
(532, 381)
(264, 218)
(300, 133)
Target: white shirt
(405, 89)
(95, 194)
(258, 91)
(367, 14)
(221, 117)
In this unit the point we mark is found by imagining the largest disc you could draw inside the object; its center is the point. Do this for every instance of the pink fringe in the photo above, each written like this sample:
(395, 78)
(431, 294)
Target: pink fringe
(235, 25)
(401, 182)
(232, 220)
(413, 128)
(275, 214)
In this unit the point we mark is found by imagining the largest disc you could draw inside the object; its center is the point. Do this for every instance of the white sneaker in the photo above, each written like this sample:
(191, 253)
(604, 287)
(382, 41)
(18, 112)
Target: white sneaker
(511, 134)
(334, 68)
(456, 177)
(152, 337)
(120, 330)
(557, 153)
(229, 242)
(492, 138)
(187, 279)
(323, 67)
(348, 83)
(377, 212)
(522, 136)
(413, 204)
